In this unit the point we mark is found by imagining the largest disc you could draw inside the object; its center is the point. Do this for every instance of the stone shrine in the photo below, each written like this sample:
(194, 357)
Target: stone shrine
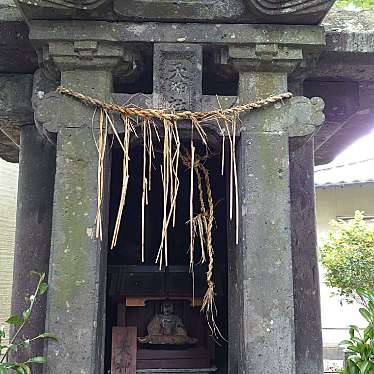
(184, 55)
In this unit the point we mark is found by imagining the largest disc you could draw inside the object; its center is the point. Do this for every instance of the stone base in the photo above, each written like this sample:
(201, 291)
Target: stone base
(176, 371)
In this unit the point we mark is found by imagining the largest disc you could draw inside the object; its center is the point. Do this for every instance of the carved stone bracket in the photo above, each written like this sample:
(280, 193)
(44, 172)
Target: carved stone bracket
(299, 116)
(42, 85)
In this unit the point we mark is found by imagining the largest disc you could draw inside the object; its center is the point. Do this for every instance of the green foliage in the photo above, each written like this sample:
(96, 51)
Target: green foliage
(348, 257)
(360, 346)
(17, 343)
(363, 4)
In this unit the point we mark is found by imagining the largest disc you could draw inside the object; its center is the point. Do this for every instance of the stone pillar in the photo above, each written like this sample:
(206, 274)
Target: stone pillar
(33, 230)
(77, 273)
(261, 325)
(309, 351)
(308, 326)
(34, 201)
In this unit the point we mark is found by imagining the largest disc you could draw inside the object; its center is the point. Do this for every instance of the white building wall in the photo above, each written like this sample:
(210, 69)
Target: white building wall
(332, 203)
(8, 203)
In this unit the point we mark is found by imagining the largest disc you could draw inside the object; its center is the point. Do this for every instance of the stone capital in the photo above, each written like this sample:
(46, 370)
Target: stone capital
(87, 55)
(265, 57)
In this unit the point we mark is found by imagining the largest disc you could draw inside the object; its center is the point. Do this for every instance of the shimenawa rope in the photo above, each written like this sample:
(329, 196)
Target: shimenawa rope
(149, 120)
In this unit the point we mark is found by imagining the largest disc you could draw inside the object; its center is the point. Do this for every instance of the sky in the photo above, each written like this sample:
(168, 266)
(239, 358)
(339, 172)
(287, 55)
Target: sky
(362, 149)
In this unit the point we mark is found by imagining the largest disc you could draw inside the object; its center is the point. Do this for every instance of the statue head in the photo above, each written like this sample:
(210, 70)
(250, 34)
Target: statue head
(167, 308)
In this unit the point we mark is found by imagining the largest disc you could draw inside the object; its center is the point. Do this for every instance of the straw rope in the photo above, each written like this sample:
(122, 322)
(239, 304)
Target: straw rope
(166, 114)
(148, 122)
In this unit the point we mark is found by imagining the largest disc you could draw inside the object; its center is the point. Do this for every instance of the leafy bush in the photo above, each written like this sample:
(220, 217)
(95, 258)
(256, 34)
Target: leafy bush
(360, 346)
(348, 257)
(17, 343)
(364, 4)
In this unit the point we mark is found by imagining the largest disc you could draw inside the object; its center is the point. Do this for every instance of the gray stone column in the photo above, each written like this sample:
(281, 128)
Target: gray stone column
(266, 334)
(34, 201)
(261, 315)
(33, 230)
(309, 351)
(77, 274)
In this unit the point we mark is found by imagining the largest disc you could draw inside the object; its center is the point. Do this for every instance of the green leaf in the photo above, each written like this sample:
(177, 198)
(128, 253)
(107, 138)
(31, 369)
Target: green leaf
(3, 370)
(43, 288)
(352, 367)
(18, 369)
(14, 320)
(2, 332)
(47, 335)
(345, 342)
(26, 314)
(353, 348)
(366, 314)
(365, 367)
(25, 367)
(37, 360)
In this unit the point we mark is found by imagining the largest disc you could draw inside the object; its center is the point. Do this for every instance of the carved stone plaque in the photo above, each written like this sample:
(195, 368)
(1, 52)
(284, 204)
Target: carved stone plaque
(177, 76)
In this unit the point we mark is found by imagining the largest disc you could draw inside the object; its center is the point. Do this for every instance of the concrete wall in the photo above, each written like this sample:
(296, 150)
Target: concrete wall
(8, 203)
(332, 203)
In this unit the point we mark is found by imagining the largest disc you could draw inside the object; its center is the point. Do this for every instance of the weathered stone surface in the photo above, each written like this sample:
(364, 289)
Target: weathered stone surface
(219, 34)
(248, 11)
(15, 99)
(16, 52)
(261, 318)
(9, 11)
(286, 11)
(308, 328)
(41, 86)
(15, 111)
(207, 10)
(33, 231)
(177, 76)
(176, 371)
(77, 276)
(306, 115)
(264, 251)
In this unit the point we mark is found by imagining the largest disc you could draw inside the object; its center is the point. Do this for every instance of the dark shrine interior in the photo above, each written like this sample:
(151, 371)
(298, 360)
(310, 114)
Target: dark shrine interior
(136, 289)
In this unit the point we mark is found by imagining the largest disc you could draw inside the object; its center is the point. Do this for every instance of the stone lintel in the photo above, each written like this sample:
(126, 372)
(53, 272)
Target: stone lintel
(213, 34)
(300, 116)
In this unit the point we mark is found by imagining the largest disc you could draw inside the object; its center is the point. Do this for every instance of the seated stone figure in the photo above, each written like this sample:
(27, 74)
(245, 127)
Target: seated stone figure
(167, 328)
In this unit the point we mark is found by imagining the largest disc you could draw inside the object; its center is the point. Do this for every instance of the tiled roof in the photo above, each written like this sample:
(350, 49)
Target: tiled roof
(341, 174)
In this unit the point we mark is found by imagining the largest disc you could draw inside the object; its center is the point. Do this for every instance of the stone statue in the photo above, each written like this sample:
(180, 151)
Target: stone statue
(167, 328)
